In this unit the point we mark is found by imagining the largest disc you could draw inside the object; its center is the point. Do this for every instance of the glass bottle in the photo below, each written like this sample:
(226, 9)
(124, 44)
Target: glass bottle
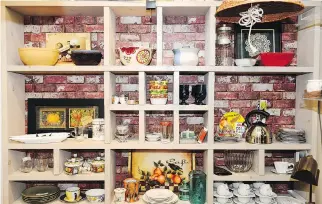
(224, 47)
(184, 191)
(197, 190)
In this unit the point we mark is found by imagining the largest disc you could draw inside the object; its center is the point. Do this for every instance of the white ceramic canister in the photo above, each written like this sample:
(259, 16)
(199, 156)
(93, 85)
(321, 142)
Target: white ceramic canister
(98, 129)
(186, 56)
(314, 87)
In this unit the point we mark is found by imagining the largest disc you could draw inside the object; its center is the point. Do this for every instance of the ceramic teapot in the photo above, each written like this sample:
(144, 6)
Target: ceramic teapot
(186, 56)
(257, 132)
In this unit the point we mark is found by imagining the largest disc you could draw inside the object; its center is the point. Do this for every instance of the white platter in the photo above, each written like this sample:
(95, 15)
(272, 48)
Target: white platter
(41, 138)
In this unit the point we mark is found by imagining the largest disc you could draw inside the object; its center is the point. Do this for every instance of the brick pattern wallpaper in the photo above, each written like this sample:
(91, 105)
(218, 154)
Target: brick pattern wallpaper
(238, 93)
(137, 31)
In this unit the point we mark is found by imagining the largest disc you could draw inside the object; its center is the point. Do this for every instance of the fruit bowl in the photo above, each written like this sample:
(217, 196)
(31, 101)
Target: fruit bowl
(276, 59)
(38, 56)
(135, 56)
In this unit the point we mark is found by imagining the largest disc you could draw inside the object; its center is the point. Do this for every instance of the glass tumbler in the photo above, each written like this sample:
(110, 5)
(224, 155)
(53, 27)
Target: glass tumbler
(41, 163)
(26, 164)
(167, 131)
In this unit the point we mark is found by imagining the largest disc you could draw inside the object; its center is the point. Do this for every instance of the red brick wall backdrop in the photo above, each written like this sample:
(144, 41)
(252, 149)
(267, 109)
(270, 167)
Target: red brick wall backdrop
(238, 93)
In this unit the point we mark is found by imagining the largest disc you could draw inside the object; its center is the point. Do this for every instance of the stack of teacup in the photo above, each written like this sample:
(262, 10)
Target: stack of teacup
(265, 195)
(222, 194)
(244, 194)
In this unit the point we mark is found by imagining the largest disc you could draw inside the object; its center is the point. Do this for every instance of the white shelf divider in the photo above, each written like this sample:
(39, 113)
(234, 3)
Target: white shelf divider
(109, 36)
(142, 88)
(209, 170)
(56, 155)
(176, 88)
(210, 44)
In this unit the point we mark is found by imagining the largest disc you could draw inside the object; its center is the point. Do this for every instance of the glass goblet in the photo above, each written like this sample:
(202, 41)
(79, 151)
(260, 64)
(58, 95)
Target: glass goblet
(184, 94)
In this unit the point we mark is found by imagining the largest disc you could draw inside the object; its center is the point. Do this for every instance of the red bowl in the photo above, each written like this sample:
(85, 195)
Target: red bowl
(276, 58)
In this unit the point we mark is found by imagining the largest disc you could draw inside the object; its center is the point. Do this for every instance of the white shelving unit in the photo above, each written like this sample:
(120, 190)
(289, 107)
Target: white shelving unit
(13, 91)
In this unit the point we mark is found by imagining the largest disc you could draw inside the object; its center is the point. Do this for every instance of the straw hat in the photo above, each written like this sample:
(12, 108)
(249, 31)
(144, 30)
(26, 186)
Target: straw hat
(274, 10)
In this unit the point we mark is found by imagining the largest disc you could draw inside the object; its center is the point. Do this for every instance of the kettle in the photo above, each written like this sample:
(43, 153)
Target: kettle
(257, 132)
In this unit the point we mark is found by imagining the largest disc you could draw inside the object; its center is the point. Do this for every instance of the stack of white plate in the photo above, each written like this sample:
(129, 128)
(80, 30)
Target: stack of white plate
(153, 137)
(160, 196)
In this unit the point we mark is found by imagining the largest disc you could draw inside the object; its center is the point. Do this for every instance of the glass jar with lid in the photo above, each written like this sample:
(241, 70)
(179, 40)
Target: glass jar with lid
(184, 191)
(224, 46)
(26, 165)
(197, 190)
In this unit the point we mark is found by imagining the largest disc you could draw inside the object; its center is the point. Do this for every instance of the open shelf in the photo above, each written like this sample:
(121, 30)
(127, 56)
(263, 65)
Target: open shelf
(156, 69)
(273, 146)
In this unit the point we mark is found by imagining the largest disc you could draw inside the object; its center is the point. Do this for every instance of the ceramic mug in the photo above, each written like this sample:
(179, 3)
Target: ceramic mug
(119, 194)
(223, 190)
(283, 167)
(72, 193)
(266, 190)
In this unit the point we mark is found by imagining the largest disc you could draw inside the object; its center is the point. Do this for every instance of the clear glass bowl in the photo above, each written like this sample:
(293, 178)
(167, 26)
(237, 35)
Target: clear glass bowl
(239, 160)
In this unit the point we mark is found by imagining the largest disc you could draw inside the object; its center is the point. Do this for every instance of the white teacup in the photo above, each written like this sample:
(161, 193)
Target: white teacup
(236, 185)
(223, 190)
(265, 199)
(243, 189)
(283, 167)
(122, 100)
(244, 199)
(266, 190)
(222, 200)
(257, 185)
(116, 100)
(216, 184)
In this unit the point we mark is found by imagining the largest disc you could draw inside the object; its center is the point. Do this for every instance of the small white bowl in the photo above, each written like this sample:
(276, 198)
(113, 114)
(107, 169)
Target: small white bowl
(158, 101)
(247, 62)
(95, 195)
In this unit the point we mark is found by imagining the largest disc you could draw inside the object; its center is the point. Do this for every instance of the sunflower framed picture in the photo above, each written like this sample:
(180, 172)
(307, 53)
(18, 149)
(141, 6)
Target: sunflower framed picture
(61, 115)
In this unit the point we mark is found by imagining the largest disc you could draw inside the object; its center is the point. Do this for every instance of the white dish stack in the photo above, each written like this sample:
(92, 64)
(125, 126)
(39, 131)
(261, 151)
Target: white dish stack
(222, 194)
(153, 137)
(160, 196)
(265, 195)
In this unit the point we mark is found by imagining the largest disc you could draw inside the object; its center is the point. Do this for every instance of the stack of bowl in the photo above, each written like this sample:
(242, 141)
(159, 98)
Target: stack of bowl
(40, 194)
(158, 92)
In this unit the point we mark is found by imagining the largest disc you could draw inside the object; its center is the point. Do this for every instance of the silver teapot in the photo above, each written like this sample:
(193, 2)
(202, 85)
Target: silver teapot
(257, 131)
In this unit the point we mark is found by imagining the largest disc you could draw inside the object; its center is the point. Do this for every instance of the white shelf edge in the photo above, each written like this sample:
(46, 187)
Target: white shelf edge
(49, 176)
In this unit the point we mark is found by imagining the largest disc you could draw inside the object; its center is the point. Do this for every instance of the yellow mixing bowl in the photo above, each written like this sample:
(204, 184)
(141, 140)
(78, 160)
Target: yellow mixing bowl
(38, 56)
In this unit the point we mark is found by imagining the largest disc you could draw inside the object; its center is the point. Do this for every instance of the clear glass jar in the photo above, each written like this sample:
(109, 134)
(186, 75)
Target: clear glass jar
(167, 131)
(98, 129)
(224, 46)
(41, 163)
(197, 190)
(184, 191)
(26, 165)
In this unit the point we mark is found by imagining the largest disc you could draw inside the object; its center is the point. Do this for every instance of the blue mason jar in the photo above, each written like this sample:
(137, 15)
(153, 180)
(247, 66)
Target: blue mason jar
(197, 191)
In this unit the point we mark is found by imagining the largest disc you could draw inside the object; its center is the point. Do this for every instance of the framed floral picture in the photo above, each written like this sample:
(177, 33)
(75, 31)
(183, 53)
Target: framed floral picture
(155, 169)
(61, 115)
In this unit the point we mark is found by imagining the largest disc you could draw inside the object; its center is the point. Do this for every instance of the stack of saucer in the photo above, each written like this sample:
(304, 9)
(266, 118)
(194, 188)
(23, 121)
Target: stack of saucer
(244, 195)
(160, 196)
(265, 195)
(40, 194)
(222, 194)
(153, 137)
(288, 135)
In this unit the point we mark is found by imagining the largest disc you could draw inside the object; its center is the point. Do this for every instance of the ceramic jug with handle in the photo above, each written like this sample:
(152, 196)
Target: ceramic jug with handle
(186, 56)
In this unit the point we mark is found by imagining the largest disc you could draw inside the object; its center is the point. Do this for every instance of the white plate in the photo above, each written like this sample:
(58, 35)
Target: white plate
(160, 195)
(259, 202)
(251, 195)
(287, 200)
(174, 199)
(229, 202)
(223, 196)
(260, 195)
(237, 202)
(42, 138)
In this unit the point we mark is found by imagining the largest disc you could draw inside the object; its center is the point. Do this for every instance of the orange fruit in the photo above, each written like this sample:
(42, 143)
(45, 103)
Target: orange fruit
(157, 171)
(170, 176)
(176, 179)
(161, 179)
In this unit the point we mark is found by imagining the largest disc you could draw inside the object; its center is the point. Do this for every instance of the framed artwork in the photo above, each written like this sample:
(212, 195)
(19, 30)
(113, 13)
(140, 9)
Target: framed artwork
(52, 118)
(60, 115)
(155, 169)
(266, 37)
(65, 42)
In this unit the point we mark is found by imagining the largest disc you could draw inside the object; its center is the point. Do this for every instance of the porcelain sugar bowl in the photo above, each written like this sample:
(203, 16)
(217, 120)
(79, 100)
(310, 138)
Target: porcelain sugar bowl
(72, 167)
(186, 56)
(135, 55)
